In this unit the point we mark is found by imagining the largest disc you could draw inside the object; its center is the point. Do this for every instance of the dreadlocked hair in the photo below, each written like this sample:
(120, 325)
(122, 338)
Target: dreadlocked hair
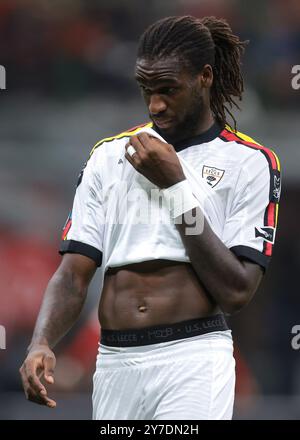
(198, 42)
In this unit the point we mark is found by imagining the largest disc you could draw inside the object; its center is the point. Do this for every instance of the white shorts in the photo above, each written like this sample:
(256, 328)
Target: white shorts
(186, 379)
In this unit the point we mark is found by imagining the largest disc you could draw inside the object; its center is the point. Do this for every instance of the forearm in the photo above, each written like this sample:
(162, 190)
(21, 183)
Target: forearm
(223, 275)
(62, 303)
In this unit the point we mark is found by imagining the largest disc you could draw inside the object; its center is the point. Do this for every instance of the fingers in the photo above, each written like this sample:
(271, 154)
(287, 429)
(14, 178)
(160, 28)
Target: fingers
(137, 145)
(147, 148)
(39, 398)
(49, 365)
(32, 379)
(128, 157)
(146, 140)
(34, 390)
(136, 158)
(141, 142)
(149, 141)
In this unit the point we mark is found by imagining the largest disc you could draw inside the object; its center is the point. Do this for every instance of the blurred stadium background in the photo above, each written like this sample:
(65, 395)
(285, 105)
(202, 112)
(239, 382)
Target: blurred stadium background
(69, 66)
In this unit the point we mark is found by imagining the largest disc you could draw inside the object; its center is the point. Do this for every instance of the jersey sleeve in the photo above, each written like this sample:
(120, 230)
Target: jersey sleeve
(251, 222)
(84, 228)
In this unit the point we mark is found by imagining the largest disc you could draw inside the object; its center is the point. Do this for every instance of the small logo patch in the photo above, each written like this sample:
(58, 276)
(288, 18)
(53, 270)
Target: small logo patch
(267, 233)
(276, 190)
(67, 226)
(120, 161)
(79, 180)
(275, 185)
(212, 175)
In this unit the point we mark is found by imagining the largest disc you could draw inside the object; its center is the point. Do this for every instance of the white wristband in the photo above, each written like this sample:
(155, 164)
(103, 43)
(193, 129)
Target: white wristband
(180, 198)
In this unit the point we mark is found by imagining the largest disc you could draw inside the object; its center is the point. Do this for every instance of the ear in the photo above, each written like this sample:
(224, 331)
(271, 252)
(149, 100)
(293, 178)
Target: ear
(207, 76)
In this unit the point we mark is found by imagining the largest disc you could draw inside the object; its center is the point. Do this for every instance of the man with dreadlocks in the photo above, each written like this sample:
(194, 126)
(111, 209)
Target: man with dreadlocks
(170, 272)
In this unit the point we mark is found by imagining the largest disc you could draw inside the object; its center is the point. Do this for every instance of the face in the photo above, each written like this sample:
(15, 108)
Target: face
(177, 101)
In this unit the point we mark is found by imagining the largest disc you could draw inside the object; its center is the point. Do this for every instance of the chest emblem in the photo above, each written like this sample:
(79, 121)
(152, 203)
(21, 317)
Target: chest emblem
(212, 175)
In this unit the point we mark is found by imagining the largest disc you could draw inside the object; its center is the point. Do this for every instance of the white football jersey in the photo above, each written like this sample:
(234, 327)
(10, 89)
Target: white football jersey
(119, 217)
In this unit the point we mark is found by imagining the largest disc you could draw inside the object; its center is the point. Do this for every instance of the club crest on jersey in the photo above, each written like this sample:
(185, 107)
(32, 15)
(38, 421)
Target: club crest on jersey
(212, 175)
(267, 233)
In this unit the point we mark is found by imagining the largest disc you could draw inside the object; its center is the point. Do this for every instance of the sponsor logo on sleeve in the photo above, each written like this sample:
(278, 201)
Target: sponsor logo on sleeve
(266, 232)
(275, 186)
(276, 189)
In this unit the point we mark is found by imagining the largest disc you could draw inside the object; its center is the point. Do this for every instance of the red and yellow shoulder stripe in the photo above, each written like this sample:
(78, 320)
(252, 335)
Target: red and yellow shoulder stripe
(230, 135)
(271, 212)
(126, 133)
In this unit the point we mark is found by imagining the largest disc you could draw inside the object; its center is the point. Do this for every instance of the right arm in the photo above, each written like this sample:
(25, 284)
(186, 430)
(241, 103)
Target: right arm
(63, 301)
(64, 297)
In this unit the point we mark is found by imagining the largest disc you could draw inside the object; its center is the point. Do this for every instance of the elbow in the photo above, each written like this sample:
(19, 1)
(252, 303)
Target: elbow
(236, 298)
(240, 289)
(236, 301)
(233, 306)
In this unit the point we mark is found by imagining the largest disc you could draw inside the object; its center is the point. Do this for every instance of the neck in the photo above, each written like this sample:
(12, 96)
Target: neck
(204, 124)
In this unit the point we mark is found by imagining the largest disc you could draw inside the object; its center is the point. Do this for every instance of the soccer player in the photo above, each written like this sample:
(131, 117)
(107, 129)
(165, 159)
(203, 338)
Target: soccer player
(181, 214)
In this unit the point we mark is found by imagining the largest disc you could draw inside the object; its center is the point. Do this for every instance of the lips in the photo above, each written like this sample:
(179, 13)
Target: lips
(163, 123)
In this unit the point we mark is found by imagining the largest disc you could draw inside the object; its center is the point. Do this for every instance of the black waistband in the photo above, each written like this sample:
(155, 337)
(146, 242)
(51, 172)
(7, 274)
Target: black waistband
(163, 333)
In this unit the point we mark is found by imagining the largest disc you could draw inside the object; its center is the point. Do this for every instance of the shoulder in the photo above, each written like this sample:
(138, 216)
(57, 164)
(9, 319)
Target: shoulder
(119, 139)
(248, 150)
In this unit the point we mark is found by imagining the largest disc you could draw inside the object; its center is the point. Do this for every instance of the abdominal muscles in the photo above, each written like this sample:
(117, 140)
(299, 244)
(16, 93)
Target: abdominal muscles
(152, 293)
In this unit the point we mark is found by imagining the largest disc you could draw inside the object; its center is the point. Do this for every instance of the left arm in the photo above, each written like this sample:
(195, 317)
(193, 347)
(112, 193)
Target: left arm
(230, 281)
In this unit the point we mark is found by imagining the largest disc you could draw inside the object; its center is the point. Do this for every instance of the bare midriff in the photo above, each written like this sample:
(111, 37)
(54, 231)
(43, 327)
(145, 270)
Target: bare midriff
(152, 293)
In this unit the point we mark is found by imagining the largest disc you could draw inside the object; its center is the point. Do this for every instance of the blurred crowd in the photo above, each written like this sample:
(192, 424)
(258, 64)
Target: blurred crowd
(73, 47)
(78, 51)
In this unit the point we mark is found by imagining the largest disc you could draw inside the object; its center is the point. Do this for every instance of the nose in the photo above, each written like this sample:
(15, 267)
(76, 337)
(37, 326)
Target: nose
(156, 104)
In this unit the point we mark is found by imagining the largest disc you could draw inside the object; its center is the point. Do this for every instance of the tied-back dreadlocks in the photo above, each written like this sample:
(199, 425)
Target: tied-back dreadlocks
(198, 42)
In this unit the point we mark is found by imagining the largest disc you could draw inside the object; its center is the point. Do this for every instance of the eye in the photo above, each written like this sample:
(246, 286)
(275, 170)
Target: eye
(168, 90)
(145, 91)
